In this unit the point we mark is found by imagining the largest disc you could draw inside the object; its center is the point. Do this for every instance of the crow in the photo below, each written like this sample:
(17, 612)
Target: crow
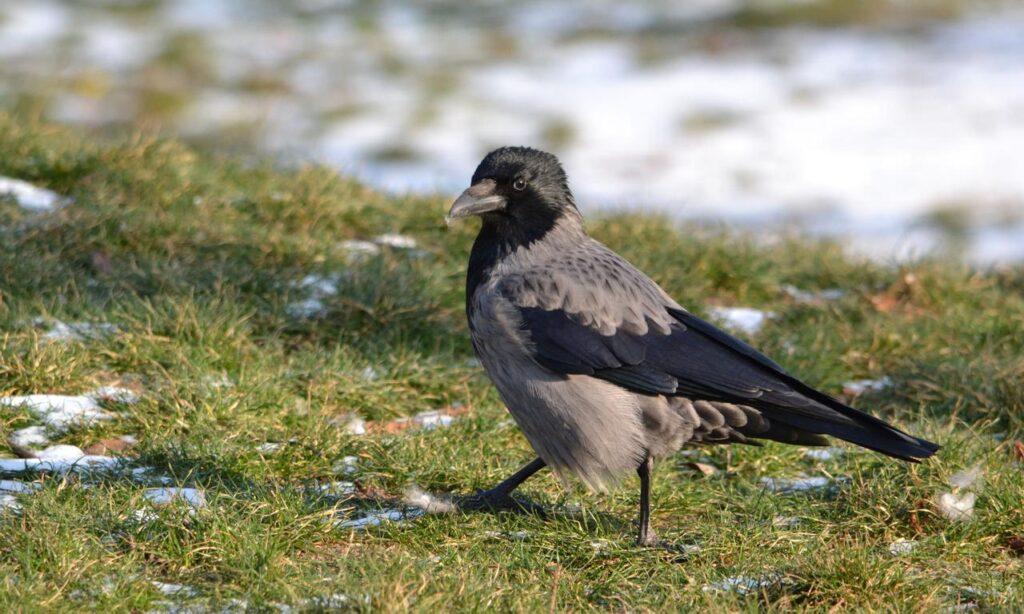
(600, 368)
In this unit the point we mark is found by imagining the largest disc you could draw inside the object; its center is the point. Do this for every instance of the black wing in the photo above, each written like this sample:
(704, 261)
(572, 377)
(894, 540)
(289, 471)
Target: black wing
(697, 360)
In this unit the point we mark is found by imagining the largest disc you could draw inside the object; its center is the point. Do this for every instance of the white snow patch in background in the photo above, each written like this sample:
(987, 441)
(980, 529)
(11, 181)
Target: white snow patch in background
(396, 241)
(745, 319)
(28, 437)
(813, 297)
(318, 285)
(955, 507)
(165, 496)
(743, 584)
(59, 412)
(860, 386)
(418, 498)
(61, 452)
(369, 374)
(824, 454)
(792, 485)
(9, 502)
(82, 464)
(360, 248)
(902, 547)
(30, 197)
(430, 420)
(375, 519)
(306, 309)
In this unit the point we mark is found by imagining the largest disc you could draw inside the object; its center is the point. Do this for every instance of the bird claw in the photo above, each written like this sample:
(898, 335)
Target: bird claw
(499, 501)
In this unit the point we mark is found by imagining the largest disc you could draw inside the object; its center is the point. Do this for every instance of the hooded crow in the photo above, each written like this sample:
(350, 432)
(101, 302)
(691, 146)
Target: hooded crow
(602, 370)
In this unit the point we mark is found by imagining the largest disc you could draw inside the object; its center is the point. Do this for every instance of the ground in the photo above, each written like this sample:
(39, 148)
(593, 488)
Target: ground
(256, 333)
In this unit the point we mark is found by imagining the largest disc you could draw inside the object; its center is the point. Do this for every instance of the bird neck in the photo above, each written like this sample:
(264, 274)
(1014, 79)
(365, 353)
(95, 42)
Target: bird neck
(502, 237)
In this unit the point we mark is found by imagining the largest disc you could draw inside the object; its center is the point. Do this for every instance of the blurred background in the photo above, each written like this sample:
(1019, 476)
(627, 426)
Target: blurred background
(897, 125)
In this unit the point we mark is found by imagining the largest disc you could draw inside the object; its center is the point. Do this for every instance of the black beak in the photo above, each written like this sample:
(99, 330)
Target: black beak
(479, 198)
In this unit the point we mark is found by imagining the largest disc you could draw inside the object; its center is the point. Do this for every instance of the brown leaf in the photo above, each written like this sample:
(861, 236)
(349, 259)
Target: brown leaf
(1018, 450)
(108, 445)
(704, 468)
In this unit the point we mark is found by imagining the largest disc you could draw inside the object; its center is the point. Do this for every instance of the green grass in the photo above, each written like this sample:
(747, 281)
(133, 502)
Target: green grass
(194, 258)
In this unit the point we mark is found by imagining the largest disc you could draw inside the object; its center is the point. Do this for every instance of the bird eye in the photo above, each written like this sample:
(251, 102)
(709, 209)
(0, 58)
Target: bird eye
(519, 184)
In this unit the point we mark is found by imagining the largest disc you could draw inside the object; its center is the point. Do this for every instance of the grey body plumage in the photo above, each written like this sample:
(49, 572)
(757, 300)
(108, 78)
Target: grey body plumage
(600, 368)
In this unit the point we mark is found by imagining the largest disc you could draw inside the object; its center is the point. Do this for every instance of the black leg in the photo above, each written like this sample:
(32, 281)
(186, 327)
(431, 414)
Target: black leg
(499, 497)
(647, 536)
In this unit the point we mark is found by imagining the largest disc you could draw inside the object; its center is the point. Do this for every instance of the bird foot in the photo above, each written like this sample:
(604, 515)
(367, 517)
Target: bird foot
(498, 501)
(648, 539)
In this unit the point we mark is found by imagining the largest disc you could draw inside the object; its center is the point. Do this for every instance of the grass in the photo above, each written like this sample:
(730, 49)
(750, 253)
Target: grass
(194, 260)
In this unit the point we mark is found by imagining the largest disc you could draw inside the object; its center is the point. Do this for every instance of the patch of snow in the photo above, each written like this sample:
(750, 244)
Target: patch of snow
(745, 319)
(147, 475)
(78, 331)
(30, 197)
(28, 437)
(14, 487)
(956, 508)
(396, 241)
(369, 374)
(339, 489)
(792, 485)
(347, 465)
(430, 420)
(83, 464)
(902, 547)
(59, 412)
(814, 297)
(165, 496)
(363, 248)
(61, 452)
(418, 498)
(743, 584)
(824, 454)
(860, 386)
(9, 502)
(307, 309)
(373, 520)
(175, 590)
(269, 448)
(318, 285)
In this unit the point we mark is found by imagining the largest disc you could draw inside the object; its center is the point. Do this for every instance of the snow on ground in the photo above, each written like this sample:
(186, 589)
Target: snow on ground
(59, 412)
(195, 498)
(860, 386)
(802, 484)
(30, 197)
(743, 319)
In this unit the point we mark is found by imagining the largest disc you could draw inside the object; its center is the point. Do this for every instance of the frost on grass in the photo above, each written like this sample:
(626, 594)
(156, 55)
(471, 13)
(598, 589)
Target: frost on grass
(431, 504)
(805, 484)
(744, 319)
(860, 386)
(743, 585)
(30, 197)
(902, 547)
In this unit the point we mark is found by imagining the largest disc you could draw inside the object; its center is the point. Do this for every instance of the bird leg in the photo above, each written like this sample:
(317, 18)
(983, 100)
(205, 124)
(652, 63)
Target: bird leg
(499, 497)
(647, 537)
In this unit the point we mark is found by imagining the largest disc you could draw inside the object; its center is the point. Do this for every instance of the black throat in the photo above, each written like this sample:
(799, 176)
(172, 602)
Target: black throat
(501, 235)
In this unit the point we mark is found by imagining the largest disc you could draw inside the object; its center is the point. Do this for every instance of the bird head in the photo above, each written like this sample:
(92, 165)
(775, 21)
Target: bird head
(516, 185)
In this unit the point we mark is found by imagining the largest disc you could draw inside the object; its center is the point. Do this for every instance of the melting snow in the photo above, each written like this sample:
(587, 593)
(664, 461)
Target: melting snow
(824, 454)
(373, 520)
(347, 465)
(902, 547)
(30, 197)
(860, 386)
(26, 438)
(744, 319)
(165, 496)
(87, 462)
(175, 590)
(338, 489)
(743, 584)
(59, 412)
(61, 452)
(14, 487)
(787, 485)
(430, 420)
(307, 309)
